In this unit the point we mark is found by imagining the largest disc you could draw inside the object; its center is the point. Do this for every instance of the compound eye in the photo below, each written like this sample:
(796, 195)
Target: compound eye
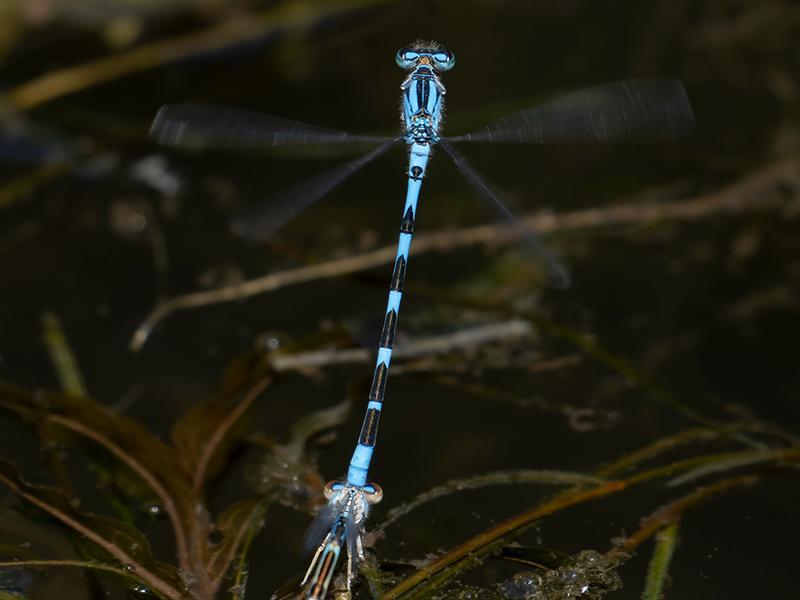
(444, 60)
(331, 488)
(373, 495)
(406, 58)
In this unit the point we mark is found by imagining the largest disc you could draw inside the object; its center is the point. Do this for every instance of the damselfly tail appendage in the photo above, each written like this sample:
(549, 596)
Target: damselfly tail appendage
(340, 525)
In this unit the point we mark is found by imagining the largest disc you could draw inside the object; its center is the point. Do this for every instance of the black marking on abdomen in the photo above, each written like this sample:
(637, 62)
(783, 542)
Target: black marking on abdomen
(399, 274)
(369, 430)
(407, 224)
(416, 173)
(389, 328)
(378, 388)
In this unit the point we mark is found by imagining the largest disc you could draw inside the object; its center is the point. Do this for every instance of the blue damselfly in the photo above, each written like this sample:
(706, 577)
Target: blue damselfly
(632, 110)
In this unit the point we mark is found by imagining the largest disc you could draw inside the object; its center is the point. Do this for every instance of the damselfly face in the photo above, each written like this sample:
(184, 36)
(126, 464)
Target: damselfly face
(437, 58)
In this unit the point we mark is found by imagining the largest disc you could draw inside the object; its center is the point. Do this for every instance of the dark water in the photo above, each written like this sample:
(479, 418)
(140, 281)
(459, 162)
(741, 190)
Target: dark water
(705, 307)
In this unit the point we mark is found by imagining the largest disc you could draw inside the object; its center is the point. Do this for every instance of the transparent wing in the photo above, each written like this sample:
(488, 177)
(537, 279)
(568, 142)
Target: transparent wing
(558, 273)
(262, 220)
(319, 528)
(352, 534)
(632, 110)
(210, 126)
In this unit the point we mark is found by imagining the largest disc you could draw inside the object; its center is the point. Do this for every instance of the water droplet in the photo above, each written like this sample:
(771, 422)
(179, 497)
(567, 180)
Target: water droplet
(154, 510)
(270, 341)
(140, 592)
(129, 568)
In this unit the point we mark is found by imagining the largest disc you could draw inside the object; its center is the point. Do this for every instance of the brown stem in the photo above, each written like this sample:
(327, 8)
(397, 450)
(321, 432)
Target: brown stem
(164, 496)
(672, 511)
(419, 347)
(756, 191)
(233, 548)
(147, 576)
(235, 31)
(80, 564)
(220, 432)
(481, 544)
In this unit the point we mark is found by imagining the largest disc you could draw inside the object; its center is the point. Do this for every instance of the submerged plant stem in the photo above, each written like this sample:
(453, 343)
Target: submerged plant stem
(672, 511)
(422, 583)
(754, 192)
(473, 550)
(489, 479)
(64, 361)
(170, 506)
(658, 570)
(142, 573)
(219, 434)
(80, 564)
(167, 500)
(468, 337)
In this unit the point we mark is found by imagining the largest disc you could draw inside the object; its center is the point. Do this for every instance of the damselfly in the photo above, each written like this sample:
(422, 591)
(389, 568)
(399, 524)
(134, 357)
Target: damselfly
(637, 109)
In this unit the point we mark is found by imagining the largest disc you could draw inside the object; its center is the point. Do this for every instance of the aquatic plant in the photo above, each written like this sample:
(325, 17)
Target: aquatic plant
(211, 547)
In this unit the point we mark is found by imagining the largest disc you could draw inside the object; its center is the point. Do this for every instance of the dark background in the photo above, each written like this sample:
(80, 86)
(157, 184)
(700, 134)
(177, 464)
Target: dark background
(707, 307)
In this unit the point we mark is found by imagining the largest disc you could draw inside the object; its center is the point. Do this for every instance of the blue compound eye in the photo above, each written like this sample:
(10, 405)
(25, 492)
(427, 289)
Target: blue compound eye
(406, 58)
(444, 60)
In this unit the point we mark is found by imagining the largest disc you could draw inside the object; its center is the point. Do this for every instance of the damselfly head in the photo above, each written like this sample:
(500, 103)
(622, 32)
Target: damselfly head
(437, 58)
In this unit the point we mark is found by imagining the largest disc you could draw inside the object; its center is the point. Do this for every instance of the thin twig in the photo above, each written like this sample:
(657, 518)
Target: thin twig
(439, 344)
(757, 191)
(235, 31)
